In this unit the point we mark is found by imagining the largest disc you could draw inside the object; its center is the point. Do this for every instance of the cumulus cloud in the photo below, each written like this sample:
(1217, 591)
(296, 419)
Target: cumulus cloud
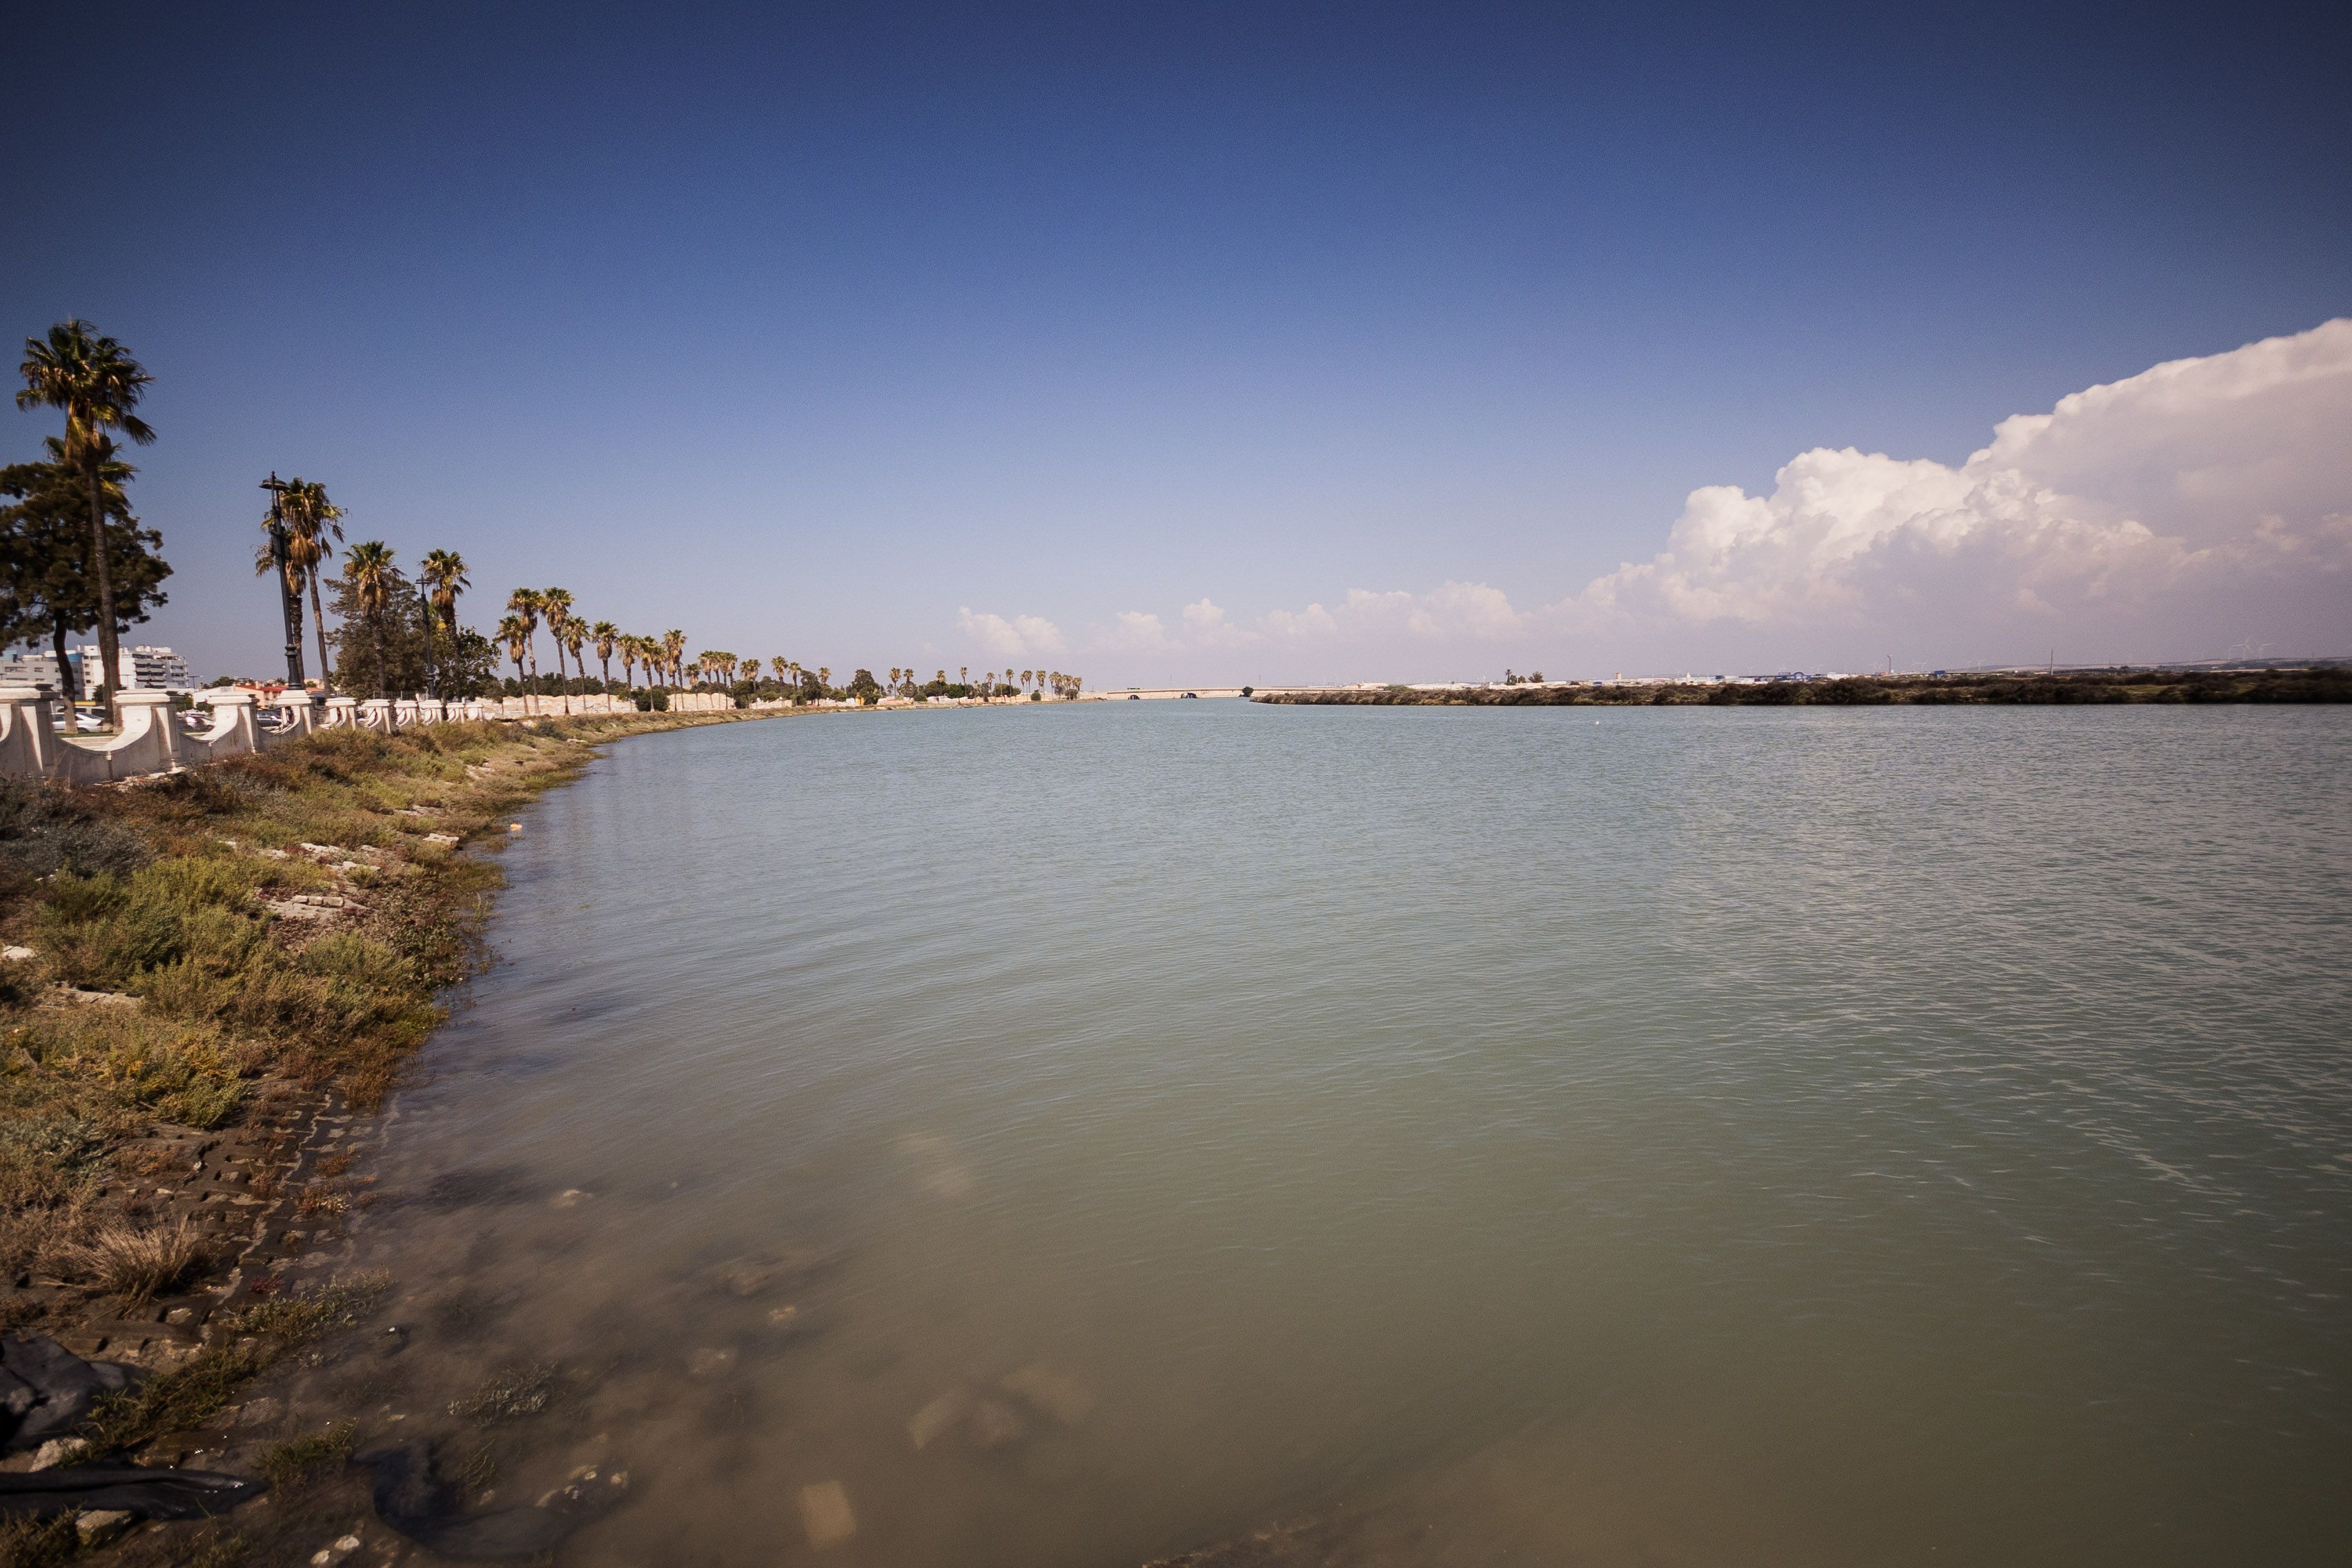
(1451, 613)
(1455, 612)
(2212, 488)
(1135, 631)
(1021, 635)
(2173, 513)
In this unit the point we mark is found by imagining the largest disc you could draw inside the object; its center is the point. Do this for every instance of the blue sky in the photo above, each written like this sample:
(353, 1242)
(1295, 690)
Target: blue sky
(883, 336)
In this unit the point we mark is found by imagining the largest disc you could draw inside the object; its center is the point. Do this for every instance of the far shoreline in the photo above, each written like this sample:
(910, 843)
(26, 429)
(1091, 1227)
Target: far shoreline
(2314, 684)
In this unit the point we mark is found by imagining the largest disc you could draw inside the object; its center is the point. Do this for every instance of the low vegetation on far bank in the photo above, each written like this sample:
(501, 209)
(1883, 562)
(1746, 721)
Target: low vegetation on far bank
(2325, 684)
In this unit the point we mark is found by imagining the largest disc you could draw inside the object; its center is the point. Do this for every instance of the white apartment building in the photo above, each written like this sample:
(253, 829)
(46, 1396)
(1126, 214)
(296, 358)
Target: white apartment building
(150, 669)
(38, 668)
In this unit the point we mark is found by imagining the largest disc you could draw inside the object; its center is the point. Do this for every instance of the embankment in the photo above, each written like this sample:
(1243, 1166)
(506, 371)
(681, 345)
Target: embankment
(209, 976)
(2328, 683)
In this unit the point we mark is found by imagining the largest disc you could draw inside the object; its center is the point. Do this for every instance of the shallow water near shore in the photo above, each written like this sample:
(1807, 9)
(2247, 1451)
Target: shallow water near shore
(1083, 1133)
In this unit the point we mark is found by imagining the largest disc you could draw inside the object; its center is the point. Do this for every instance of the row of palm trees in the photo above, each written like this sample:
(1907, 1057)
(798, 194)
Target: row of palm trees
(1044, 680)
(312, 523)
(528, 609)
(96, 384)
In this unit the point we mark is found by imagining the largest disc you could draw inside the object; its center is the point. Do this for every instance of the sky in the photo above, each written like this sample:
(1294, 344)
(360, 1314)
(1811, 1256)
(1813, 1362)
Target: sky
(1210, 343)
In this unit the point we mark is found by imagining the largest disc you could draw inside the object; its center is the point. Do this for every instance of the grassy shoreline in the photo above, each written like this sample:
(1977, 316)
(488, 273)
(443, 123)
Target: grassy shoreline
(2322, 684)
(212, 974)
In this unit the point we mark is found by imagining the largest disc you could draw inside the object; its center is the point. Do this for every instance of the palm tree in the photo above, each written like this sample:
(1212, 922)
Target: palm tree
(825, 676)
(608, 637)
(673, 645)
(515, 632)
(96, 385)
(441, 574)
(523, 605)
(311, 521)
(627, 645)
(555, 605)
(368, 569)
(574, 635)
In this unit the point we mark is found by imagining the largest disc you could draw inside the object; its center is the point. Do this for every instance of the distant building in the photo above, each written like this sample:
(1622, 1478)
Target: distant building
(137, 669)
(38, 669)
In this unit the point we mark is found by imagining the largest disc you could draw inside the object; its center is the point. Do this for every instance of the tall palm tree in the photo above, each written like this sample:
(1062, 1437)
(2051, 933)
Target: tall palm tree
(523, 605)
(556, 609)
(95, 383)
(825, 676)
(673, 645)
(442, 575)
(368, 569)
(628, 649)
(312, 524)
(515, 632)
(574, 636)
(608, 637)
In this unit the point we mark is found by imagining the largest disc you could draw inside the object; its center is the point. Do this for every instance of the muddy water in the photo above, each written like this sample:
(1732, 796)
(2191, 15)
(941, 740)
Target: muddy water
(1066, 1137)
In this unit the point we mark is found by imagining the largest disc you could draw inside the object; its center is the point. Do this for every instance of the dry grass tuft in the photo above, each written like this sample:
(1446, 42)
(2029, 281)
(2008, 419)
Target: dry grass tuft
(139, 1263)
(299, 1460)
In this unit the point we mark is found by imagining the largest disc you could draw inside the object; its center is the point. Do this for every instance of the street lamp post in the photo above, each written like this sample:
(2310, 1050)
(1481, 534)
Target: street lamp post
(289, 601)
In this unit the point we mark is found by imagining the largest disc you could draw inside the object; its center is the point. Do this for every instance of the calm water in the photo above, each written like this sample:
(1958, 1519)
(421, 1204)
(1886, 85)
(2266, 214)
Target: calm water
(1688, 1137)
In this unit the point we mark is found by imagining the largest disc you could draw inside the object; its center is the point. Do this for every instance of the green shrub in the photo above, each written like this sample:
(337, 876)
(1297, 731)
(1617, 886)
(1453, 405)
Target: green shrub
(44, 829)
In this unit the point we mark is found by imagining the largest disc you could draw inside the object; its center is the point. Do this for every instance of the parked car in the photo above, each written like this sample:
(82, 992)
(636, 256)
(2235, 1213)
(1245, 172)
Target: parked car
(1193, 695)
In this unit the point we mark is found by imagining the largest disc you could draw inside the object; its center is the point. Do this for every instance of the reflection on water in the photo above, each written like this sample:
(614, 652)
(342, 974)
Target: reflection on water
(1067, 1136)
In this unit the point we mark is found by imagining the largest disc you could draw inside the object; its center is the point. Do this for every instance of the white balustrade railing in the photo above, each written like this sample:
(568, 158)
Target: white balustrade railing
(153, 740)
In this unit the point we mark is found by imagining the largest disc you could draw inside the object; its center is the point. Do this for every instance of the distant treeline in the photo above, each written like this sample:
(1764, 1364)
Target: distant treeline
(2325, 684)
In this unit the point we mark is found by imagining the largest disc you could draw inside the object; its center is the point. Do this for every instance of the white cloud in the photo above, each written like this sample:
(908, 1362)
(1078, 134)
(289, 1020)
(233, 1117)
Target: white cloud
(1014, 638)
(1455, 612)
(2172, 513)
(1205, 627)
(2213, 489)
(1134, 631)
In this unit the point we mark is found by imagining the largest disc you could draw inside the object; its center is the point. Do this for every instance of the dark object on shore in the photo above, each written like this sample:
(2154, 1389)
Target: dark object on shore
(150, 1493)
(2322, 683)
(410, 1500)
(45, 1390)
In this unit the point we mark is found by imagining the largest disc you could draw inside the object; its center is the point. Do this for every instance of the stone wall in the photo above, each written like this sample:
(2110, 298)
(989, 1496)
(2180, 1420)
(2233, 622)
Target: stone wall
(702, 702)
(153, 740)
